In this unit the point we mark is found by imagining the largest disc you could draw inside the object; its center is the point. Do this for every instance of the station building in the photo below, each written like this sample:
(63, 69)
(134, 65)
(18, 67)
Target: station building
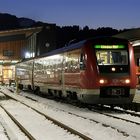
(19, 44)
(133, 35)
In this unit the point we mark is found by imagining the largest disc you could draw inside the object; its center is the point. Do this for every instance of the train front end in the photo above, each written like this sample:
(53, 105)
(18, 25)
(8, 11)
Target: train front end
(113, 72)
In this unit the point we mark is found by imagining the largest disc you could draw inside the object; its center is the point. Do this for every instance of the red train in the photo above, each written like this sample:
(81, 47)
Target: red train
(94, 71)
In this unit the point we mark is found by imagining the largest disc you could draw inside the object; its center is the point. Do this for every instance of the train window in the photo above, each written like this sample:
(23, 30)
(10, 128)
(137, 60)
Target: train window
(72, 61)
(8, 53)
(138, 61)
(112, 57)
(82, 62)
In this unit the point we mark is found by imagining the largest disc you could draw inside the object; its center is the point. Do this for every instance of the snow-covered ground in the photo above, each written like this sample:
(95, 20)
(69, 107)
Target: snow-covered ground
(36, 124)
(8, 129)
(63, 113)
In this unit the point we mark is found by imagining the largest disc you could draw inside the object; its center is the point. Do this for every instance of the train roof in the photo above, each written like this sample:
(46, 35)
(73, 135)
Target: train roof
(66, 48)
(78, 45)
(81, 43)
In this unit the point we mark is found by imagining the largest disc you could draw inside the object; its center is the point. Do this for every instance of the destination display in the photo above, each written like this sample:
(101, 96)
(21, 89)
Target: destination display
(109, 46)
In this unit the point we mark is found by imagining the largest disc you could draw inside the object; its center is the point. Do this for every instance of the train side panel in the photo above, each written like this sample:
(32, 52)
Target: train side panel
(71, 73)
(48, 73)
(24, 75)
(58, 74)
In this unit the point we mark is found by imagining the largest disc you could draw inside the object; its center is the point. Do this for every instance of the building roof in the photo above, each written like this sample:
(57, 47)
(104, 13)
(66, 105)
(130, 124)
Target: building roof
(18, 34)
(133, 35)
(26, 31)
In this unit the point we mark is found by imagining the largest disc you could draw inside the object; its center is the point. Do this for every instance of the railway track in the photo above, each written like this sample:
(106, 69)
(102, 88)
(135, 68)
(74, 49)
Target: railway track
(118, 109)
(103, 110)
(3, 130)
(110, 116)
(94, 109)
(104, 124)
(133, 118)
(21, 127)
(10, 131)
(56, 122)
(100, 112)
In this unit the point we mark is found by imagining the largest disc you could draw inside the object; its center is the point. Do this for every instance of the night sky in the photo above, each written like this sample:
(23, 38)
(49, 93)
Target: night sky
(118, 14)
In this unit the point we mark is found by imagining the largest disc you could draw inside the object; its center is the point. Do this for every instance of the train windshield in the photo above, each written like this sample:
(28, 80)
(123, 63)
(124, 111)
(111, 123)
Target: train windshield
(112, 57)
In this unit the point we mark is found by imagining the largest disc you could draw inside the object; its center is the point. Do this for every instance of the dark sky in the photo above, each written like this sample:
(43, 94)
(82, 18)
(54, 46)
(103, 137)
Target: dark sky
(118, 14)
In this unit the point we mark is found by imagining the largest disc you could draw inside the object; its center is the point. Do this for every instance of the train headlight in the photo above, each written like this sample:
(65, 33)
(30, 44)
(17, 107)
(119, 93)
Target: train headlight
(127, 81)
(113, 69)
(102, 81)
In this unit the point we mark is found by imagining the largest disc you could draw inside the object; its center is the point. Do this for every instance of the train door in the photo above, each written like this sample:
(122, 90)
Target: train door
(138, 73)
(7, 74)
(72, 68)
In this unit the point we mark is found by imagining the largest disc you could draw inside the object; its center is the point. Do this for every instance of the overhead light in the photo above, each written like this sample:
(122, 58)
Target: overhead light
(47, 44)
(27, 55)
(135, 43)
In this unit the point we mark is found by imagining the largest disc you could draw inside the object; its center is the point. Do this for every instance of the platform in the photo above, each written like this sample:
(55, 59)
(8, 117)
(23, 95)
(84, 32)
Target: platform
(137, 97)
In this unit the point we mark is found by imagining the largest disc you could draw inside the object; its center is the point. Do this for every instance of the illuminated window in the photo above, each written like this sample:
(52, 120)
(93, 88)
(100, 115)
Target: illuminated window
(112, 57)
